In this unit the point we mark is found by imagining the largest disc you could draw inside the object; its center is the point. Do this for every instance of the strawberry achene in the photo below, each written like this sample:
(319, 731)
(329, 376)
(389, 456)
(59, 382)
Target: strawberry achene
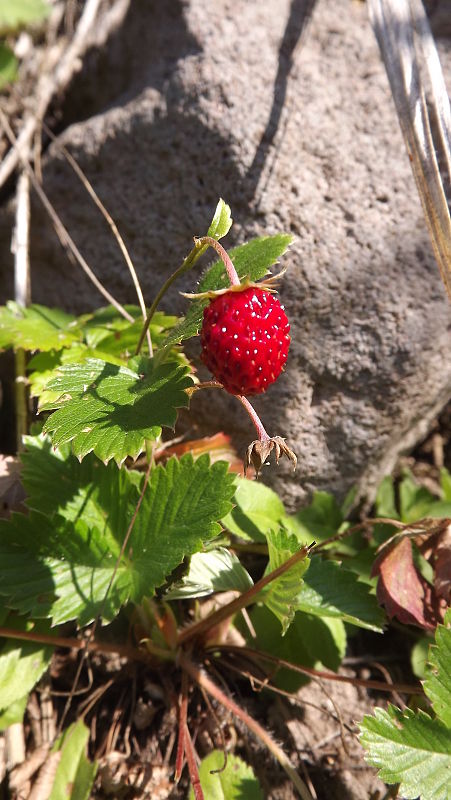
(245, 340)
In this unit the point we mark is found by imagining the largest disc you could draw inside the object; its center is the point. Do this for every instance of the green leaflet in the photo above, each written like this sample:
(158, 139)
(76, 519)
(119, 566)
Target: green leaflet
(58, 564)
(252, 259)
(114, 410)
(234, 781)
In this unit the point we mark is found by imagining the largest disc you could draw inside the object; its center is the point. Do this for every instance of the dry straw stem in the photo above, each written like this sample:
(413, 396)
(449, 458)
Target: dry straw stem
(107, 216)
(20, 248)
(64, 237)
(413, 68)
(62, 62)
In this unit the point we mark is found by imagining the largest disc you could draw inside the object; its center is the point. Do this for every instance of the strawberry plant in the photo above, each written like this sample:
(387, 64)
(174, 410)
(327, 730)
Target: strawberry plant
(124, 530)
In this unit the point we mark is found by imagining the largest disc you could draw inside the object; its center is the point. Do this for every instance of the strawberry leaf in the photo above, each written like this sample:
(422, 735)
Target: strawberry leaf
(21, 665)
(410, 749)
(258, 510)
(221, 222)
(280, 596)
(330, 590)
(227, 778)
(36, 327)
(113, 410)
(74, 775)
(252, 259)
(59, 564)
(438, 681)
(214, 571)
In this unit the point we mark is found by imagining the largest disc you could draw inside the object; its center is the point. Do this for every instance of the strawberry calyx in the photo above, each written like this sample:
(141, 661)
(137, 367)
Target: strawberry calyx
(268, 284)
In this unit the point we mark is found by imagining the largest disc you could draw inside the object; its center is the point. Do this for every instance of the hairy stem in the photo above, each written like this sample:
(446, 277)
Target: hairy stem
(197, 628)
(262, 435)
(224, 256)
(188, 262)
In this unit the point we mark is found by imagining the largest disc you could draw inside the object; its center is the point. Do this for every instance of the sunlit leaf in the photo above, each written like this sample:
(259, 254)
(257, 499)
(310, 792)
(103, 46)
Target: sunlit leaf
(438, 678)
(22, 663)
(113, 410)
(280, 596)
(36, 327)
(214, 571)
(330, 590)
(410, 749)
(16, 13)
(258, 509)
(221, 222)
(75, 773)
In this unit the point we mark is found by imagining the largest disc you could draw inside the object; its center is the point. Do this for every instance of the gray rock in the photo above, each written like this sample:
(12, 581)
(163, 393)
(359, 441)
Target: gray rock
(298, 134)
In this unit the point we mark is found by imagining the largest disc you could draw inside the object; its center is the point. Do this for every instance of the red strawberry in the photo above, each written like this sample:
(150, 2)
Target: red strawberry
(245, 340)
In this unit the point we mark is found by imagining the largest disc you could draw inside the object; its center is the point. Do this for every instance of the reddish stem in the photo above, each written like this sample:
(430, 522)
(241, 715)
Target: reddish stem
(192, 766)
(183, 716)
(193, 631)
(206, 683)
(262, 435)
(224, 256)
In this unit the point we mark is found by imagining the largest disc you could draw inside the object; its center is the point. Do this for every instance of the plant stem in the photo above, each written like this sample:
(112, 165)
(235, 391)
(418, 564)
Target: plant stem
(188, 262)
(200, 246)
(224, 256)
(258, 656)
(262, 435)
(198, 628)
(22, 295)
(107, 216)
(206, 683)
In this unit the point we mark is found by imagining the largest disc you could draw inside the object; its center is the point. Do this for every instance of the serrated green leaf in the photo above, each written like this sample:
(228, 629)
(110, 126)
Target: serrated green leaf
(221, 222)
(36, 327)
(113, 410)
(59, 564)
(280, 596)
(310, 642)
(234, 782)
(75, 774)
(14, 713)
(438, 676)
(16, 13)
(252, 259)
(214, 571)
(21, 665)
(330, 590)
(257, 510)
(8, 66)
(410, 749)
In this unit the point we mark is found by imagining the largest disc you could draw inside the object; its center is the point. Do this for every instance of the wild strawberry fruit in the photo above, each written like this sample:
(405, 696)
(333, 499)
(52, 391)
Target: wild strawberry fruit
(245, 340)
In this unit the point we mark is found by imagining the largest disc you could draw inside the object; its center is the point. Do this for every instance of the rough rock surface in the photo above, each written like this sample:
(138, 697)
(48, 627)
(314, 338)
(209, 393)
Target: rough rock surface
(298, 133)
